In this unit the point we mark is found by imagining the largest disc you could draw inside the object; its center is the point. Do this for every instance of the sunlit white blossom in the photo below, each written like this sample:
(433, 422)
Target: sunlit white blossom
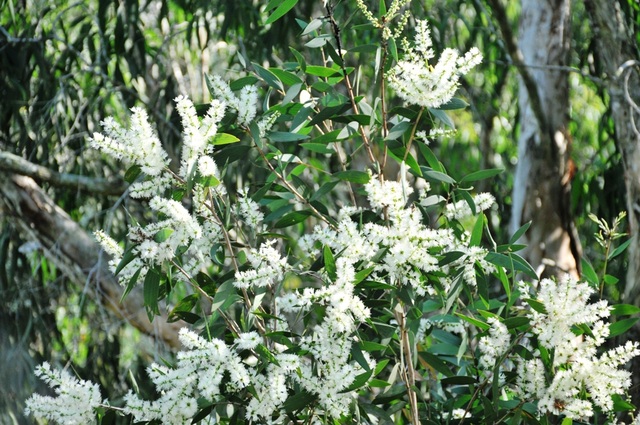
(420, 83)
(75, 402)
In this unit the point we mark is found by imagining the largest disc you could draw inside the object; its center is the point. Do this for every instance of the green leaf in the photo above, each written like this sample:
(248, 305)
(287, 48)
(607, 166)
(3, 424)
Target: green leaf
(312, 26)
(268, 76)
(298, 401)
(481, 175)
(536, 305)
(151, 293)
(621, 326)
(329, 263)
(459, 380)
(318, 148)
(238, 84)
(589, 274)
(624, 309)
(224, 139)
(226, 295)
(322, 71)
(162, 235)
(433, 175)
(567, 421)
(126, 259)
(353, 176)
(476, 233)
(436, 363)
(132, 173)
(302, 63)
(442, 117)
(619, 250)
(454, 103)
(324, 189)
(518, 233)
(398, 130)
(280, 11)
(185, 305)
(516, 322)
(286, 137)
(318, 41)
(475, 322)
(292, 218)
(287, 78)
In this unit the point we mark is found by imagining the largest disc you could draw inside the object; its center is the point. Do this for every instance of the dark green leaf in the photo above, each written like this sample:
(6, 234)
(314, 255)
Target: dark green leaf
(268, 77)
(518, 233)
(621, 326)
(436, 363)
(284, 136)
(536, 305)
(292, 218)
(459, 380)
(352, 176)
(329, 263)
(476, 233)
(280, 11)
(516, 322)
(437, 176)
(619, 250)
(454, 103)
(398, 130)
(151, 293)
(132, 173)
(481, 175)
(624, 309)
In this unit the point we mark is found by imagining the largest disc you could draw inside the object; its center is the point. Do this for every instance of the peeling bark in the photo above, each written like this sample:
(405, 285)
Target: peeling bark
(75, 253)
(620, 58)
(543, 175)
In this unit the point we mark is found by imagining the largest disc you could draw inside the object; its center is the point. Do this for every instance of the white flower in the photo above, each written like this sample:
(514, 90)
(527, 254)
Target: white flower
(248, 341)
(207, 167)
(495, 344)
(75, 401)
(418, 82)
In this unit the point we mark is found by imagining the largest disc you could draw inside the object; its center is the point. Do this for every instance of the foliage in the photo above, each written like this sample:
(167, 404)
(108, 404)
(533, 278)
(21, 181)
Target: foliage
(346, 280)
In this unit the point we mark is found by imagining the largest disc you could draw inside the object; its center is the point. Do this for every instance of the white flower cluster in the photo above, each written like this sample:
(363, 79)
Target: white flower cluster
(577, 367)
(461, 209)
(246, 104)
(494, 345)
(198, 231)
(330, 342)
(268, 268)
(418, 82)
(199, 373)
(75, 401)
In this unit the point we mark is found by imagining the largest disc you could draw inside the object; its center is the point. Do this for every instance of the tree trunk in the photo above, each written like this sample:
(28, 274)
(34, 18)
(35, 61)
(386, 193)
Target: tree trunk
(618, 54)
(75, 253)
(543, 174)
(619, 57)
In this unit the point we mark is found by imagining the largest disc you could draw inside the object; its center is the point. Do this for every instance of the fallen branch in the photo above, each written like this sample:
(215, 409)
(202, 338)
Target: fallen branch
(75, 253)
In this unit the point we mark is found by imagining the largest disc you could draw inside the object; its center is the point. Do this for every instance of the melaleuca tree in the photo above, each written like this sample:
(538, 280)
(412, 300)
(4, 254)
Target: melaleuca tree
(320, 287)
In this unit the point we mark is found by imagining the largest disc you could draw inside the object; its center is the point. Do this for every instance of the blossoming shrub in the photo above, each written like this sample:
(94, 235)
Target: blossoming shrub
(320, 292)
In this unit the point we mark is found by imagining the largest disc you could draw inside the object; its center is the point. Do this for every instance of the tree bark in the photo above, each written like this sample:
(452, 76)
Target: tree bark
(543, 174)
(75, 253)
(619, 56)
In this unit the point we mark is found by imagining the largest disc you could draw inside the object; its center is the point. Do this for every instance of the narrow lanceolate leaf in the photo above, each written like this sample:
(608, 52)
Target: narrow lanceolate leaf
(224, 139)
(518, 234)
(620, 327)
(433, 175)
(329, 263)
(481, 175)
(268, 77)
(151, 293)
(280, 11)
(624, 309)
(352, 176)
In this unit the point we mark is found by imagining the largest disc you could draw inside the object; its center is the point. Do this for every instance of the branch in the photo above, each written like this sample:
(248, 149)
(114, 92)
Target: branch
(15, 164)
(75, 253)
(517, 59)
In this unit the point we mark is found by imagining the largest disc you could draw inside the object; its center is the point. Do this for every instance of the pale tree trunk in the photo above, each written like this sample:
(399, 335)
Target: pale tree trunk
(618, 54)
(619, 57)
(543, 173)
